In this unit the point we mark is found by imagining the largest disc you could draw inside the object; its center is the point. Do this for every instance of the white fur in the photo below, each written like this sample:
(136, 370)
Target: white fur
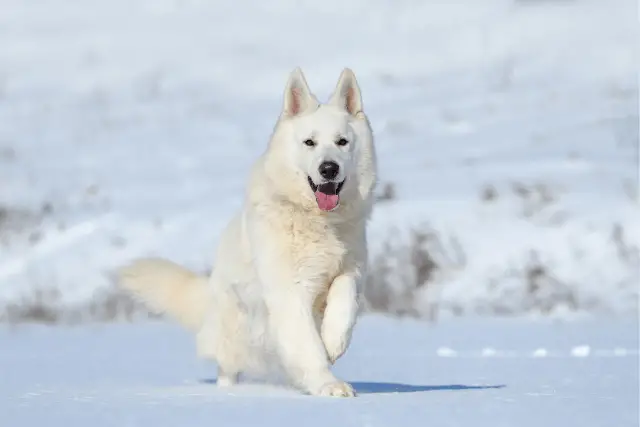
(288, 275)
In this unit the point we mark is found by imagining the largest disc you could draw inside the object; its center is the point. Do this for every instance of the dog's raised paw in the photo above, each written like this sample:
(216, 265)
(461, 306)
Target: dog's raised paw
(337, 389)
(335, 346)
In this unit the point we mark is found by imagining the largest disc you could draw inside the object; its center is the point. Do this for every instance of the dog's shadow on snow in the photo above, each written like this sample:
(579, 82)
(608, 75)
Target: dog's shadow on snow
(380, 387)
(389, 388)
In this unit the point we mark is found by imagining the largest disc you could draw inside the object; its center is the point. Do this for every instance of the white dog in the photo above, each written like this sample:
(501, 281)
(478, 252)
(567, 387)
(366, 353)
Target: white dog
(290, 265)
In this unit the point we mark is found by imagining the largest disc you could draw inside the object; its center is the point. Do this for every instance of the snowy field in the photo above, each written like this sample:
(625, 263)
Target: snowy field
(506, 131)
(507, 136)
(493, 373)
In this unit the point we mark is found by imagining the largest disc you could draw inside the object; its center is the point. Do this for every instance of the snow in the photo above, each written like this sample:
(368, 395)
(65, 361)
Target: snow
(148, 374)
(136, 123)
(507, 128)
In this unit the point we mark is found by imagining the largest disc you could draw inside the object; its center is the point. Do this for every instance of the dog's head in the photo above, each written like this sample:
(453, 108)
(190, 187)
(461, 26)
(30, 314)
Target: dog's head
(324, 150)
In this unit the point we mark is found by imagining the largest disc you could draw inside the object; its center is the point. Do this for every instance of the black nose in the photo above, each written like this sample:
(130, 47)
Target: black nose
(329, 170)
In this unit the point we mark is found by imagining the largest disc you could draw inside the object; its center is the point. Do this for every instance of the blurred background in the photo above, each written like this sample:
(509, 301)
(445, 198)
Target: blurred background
(506, 130)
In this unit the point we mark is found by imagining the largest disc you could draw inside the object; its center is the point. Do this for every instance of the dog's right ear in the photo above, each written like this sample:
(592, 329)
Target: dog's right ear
(297, 95)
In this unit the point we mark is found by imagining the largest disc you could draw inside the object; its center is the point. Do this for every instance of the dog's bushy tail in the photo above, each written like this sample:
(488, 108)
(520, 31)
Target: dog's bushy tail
(166, 287)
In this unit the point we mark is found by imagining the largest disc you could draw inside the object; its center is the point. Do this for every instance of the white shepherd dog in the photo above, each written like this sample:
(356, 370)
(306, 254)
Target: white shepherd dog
(290, 265)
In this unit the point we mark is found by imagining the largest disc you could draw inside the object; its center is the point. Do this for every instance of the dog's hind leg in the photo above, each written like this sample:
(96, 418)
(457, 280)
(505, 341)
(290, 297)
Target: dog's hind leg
(224, 337)
(207, 349)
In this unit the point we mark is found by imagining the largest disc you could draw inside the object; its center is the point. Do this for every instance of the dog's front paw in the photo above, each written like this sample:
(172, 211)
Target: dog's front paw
(335, 344)
(337, 389)
(335, 352)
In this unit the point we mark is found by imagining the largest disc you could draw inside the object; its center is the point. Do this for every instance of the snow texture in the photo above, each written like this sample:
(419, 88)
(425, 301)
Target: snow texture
(147, 375)
(128, 128)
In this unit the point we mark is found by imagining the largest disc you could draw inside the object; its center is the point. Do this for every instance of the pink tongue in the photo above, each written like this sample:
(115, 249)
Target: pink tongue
(327, 202)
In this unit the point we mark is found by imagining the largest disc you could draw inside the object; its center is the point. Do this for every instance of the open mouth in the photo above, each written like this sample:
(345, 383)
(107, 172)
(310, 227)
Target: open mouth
(327, 194)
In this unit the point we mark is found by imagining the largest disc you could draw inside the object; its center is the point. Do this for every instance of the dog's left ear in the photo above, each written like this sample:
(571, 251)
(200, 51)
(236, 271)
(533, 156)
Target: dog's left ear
(347, 93)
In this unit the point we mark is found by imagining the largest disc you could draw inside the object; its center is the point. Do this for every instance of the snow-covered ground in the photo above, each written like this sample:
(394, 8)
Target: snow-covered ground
(465, 373)
(509, 127)
(507, 133)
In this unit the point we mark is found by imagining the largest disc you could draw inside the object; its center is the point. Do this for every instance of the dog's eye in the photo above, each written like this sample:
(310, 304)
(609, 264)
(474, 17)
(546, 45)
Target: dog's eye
(309, 143)
(342, 142)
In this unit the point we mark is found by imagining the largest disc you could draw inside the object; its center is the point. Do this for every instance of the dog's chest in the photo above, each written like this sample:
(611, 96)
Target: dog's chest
(319, 251)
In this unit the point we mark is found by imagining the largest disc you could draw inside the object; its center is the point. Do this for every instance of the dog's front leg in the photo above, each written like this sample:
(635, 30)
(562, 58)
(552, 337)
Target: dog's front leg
(340, 315)
(290, 307)
(299, 344)
(289, 299)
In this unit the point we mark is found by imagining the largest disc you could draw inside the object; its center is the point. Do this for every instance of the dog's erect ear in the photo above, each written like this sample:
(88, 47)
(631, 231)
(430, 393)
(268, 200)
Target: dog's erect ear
(347, 93)
(297, 95)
